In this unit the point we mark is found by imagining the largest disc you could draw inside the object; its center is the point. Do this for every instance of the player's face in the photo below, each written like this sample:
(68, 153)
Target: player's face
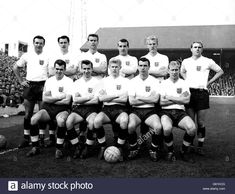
(143, 67)
(59, 71)
(87, 70)
(38, 45)
(64, 44)
(122, 48)
(196, 49)
(152, 45)
(114, 69)
(93, 42)
(174, 71)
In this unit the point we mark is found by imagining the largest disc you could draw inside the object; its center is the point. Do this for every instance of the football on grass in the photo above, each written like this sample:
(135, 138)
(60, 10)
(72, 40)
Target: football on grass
(112, 154)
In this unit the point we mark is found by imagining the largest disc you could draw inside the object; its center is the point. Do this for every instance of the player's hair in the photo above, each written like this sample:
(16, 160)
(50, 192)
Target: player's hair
(123, 40)
(60, 63)
(174, 63)
(63, 37)
(143, 59)
(39, 37)
(93, 35)
(152, 37)
(86, 62)
(115, 61)
(197, 42)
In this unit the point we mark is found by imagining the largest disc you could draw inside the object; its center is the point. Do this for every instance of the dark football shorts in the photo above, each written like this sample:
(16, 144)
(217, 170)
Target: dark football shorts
(34, 91)
(85, 110)
(176, 115)
(113, 111)
(54, 109)
(199, 99)
(143, 113)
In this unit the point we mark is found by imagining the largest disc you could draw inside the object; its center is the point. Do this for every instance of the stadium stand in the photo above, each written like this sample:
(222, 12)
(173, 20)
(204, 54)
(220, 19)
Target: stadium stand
(10, 90)
(224, 86)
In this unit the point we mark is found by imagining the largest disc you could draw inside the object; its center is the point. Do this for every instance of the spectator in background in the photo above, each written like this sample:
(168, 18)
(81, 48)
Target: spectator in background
(3, 98)
(8, 81)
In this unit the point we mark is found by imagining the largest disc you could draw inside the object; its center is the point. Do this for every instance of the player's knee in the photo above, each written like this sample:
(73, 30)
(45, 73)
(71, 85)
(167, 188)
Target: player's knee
(167, 130)
(90, 126)
(124, 123)
(61, 122)
(131, 128)
(157, 127)
(191, 129)
(34, 120)
(200, 124)
(69, 124)
(98, 122)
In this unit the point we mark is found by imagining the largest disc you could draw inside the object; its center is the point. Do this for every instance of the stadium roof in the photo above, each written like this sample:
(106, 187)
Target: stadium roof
(170, 37)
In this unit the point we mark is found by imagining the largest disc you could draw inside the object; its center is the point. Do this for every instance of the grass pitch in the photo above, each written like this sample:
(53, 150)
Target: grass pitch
(219, 161)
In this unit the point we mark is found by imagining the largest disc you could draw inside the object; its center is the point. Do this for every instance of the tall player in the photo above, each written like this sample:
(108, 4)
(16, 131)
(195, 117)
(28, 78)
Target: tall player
(174, 95)
(143, 94)
(114, 97)
(98, 60)
(129, 63)
(36, 62)
(86, 105)
(71, 60)
(158, 62)
(195, 70)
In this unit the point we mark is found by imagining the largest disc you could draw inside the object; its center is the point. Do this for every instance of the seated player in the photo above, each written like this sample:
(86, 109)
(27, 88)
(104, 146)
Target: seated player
(174, 95)
(114, 96)
(86, 105)
(143, 94)
(56, 105)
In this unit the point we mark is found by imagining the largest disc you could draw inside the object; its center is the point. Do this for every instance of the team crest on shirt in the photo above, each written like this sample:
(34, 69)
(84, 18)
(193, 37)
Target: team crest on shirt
(66, 61)
(179, 90)
(127, 63)
(118, 87)
(199, 68)
(90, 90)
(147, 88)
(41, 62)
(61, 89)
(97, 60)
(156, 64)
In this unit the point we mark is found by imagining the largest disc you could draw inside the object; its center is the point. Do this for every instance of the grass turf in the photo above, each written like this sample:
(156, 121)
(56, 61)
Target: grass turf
(218, 162)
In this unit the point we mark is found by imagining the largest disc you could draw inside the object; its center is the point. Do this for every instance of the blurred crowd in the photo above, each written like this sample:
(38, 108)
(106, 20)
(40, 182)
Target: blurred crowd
(224, 86)
(11, 91)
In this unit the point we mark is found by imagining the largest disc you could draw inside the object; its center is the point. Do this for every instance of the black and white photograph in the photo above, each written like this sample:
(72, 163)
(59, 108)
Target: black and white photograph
(117, 96)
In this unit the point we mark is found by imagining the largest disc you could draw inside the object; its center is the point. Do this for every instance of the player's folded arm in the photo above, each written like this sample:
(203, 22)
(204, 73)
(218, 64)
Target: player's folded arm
(65, 101)
(47, 97)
